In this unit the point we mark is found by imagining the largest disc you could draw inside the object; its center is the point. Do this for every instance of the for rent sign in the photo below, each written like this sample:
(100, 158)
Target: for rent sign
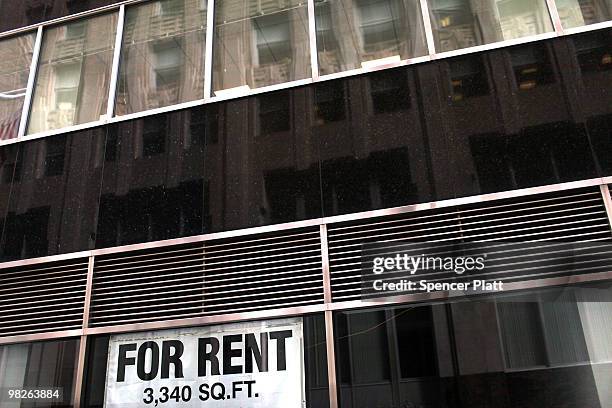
(253, 364)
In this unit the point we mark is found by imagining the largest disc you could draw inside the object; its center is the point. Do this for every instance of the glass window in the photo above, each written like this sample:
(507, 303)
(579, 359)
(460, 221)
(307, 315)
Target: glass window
(466, 23)
(259, 43)
(73, 74)
(15, 60)
(162, 55)
(39, 365)
(534, 350)
(353, 33)
(576, 13)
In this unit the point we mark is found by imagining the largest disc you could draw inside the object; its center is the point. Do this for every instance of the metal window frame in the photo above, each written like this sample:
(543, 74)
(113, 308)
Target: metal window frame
(27, 101)
(119, 7)
(114, 79)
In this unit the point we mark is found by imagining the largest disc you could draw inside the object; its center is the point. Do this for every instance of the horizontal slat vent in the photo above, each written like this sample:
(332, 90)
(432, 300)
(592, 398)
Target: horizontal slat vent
(42, 297)
(576, 216)
(232, 275)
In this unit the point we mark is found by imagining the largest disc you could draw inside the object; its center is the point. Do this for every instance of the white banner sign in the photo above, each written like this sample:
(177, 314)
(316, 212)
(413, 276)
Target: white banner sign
(252, 364)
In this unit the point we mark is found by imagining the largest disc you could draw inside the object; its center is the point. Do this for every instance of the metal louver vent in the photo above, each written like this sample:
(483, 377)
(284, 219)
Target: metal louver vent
(231, 275)
(576, 216)
(42, 297)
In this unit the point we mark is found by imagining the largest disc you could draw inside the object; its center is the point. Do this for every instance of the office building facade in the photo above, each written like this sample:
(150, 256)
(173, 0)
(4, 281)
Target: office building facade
(173, 170)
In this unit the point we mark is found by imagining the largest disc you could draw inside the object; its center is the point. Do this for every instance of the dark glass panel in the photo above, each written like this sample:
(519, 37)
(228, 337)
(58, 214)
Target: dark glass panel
(8, 173)
(522, 131)
(389, 150)
(15, 14)
(54, 200)
(593, 53)
(95, 375)
(532, 66)
(330, 102)
(263, 168)
(531, 350)
(274, 113)
(600, 131)
(389, 91)
(315, 356)
(468, 78)
(152, 188)
(44, 365)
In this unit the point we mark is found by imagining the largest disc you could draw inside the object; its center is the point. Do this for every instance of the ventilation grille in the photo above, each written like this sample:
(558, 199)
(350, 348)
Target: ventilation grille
(231, 275)
(553, 220)
(42, 297)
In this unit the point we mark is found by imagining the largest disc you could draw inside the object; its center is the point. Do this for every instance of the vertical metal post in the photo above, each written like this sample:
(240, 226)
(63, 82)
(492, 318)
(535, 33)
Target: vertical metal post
(114, 78)
(27, 100)
(431, 45)
(329, 323)
(327, 293)
(312, 34)
(605, 195)
(80, 373)
(331, 359)
(208, 48)
(80, 370)
(554, 16)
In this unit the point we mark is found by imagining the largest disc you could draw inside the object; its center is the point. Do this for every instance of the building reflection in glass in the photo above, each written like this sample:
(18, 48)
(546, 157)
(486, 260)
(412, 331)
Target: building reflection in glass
(546, 349)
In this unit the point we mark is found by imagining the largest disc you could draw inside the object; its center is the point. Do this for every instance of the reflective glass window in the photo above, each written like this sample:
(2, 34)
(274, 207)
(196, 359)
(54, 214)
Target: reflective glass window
(43, 365)
(466, 23)
(54, 196)
(259, 43)
(162, 60)
(152, 185)
(539, 350)
(15, 60)
(73, 74)
(576, 13)
(356, 33)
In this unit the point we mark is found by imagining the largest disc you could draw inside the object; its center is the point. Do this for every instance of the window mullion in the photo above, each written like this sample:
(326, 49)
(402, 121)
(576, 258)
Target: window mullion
(114, 79)
(208, 51)
(312, 32)
(27, 101)
(554, 15)
(431, 45)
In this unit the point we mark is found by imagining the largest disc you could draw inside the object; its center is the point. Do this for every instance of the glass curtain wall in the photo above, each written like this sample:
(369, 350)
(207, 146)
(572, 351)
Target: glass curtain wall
(577, 13)
(73, 74)
(15, 60)
(466, 23)
(162, 60)
(357, 33)
(259, 43)
(42, 365)
(543, 350)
